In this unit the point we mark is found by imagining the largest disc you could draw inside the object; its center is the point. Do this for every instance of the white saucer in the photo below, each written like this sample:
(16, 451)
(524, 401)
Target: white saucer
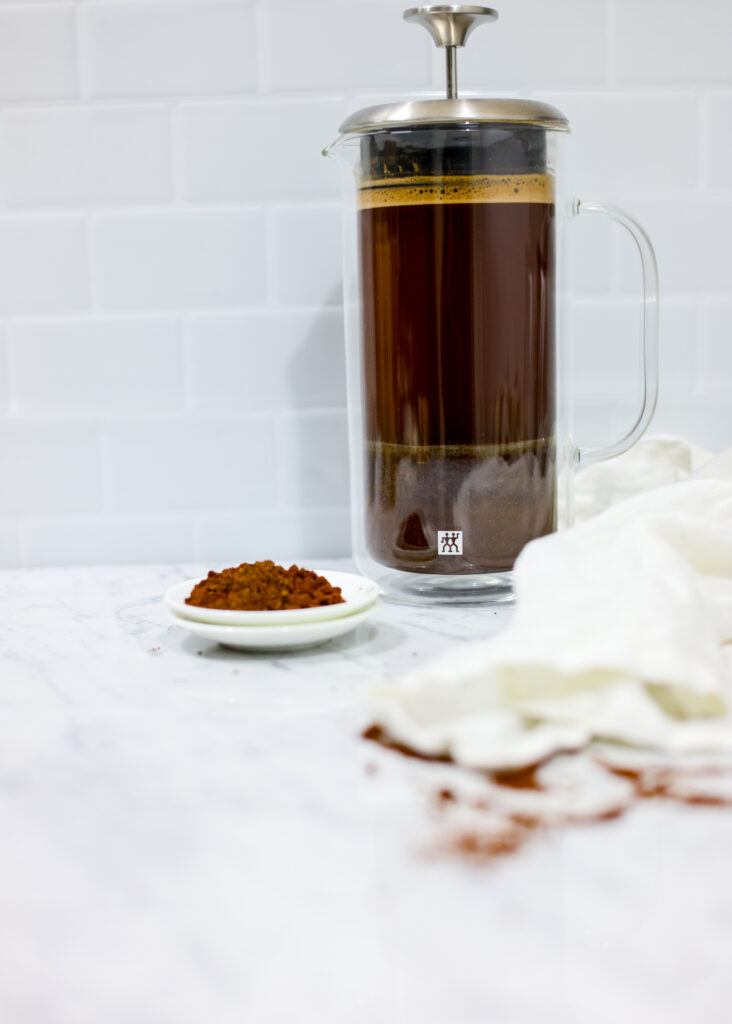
(358, 593)
(275, 638)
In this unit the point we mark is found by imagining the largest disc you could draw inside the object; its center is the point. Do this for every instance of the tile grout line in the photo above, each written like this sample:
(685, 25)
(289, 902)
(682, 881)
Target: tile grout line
(188, 382)
(177, 151)
(81, 83)
(12, 367)
(90, 227)
(610, 16)
(105, 471)
(701, 170)
(262, 49)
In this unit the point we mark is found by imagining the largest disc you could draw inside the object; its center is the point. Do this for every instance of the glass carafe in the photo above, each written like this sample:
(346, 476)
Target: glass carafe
(459, 418)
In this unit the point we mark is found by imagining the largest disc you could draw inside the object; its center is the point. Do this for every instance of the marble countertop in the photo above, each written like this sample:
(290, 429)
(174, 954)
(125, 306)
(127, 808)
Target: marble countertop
(191, 834)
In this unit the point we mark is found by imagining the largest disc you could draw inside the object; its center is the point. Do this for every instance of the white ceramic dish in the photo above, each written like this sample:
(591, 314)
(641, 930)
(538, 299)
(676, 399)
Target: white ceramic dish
(358, 594)
(275, 638)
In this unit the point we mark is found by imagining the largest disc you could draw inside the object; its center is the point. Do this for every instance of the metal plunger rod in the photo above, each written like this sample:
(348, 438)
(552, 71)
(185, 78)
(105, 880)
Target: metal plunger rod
(452, 85)
(450, 25)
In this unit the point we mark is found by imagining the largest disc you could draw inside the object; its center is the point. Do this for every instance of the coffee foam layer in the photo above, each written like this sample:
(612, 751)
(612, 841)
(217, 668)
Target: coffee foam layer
(464, 188)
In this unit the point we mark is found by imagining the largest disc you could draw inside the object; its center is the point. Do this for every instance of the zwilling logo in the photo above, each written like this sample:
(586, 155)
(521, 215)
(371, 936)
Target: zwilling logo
(449, 542)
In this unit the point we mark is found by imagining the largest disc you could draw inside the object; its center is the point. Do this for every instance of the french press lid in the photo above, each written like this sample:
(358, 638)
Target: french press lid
(450, 25)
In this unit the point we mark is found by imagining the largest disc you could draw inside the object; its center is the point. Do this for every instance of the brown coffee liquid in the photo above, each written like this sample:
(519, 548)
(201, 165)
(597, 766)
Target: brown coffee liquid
(458, 278)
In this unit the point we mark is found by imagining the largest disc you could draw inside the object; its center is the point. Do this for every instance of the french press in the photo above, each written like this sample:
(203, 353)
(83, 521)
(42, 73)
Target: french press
(454, 293)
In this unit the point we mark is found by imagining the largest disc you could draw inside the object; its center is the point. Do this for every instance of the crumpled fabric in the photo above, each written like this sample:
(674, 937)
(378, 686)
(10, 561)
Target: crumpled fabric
(653, 462)
(622, 631)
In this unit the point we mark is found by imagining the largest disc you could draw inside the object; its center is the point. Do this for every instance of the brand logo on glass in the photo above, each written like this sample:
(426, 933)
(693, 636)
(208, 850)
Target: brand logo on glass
(449, 542)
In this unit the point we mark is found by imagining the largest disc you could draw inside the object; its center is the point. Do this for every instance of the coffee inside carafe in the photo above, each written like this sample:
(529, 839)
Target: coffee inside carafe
(457, 265)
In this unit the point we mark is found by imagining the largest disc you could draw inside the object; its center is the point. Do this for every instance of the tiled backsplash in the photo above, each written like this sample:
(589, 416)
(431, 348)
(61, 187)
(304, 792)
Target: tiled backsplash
(171, 364)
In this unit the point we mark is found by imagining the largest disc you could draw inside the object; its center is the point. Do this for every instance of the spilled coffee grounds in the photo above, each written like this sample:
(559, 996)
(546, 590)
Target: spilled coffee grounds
(263, 586)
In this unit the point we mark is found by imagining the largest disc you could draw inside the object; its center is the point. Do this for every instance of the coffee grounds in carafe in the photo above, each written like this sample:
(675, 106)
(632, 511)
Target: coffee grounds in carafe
(458, 277)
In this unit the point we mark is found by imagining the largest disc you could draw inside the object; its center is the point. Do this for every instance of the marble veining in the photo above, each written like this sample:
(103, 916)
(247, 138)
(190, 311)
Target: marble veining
(193, 834)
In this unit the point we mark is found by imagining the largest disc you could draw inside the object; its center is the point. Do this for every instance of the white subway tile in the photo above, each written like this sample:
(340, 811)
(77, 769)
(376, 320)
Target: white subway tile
(97, 541)
(161, 49)
(357, 99)
(691, 238)
(336, 45)
(704, 423)
(44, 264)
(633, 140)
(678, 350)
(606, 349)
(100, 365)
(179, 465)
(602, 423)
(536, 45)
(9, 545)
(716, 350)
(294, 535)
(37, 52)
(716, 139)
(235, 484)
(49, 469)
(306, 254)
(260, 150)
(313, 458)
(666, 41)
(605, 339)
(599, 422)
(588, 241)
(177, 260)
(85, 156)
(4, 373)
(269, 360)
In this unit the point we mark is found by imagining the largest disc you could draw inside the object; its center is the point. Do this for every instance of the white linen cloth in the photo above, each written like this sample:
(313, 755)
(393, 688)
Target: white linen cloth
(620, 632)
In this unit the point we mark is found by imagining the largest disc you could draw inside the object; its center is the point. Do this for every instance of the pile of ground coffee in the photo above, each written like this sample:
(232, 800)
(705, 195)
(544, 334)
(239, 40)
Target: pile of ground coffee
(263, 586)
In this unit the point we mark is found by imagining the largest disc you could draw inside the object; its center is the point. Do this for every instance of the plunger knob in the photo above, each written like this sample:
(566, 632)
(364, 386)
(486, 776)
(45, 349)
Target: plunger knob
(450, 25)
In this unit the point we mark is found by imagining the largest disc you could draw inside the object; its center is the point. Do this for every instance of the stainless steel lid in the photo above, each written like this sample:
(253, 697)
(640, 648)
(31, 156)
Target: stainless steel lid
(450, 25)
(454, 112)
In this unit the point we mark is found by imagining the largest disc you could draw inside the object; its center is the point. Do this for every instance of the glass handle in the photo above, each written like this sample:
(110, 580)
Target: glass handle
(649, 334)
